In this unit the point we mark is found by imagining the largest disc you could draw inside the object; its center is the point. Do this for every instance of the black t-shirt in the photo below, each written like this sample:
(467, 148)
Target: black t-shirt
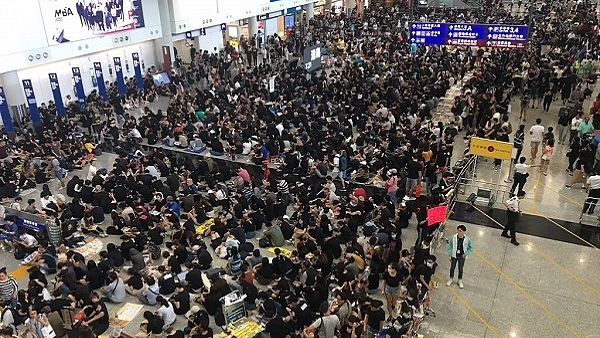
(174, 264)
(194, 278)
(424, 270)
(184, 302)
(101, 307)
(155, 235)
(177, 334)
(459, 246)
(135, 281)
(277, 328)
(155, 325)
(392, 281)
(375, 317)
(167, 283)
(59, 304)
(207, 334)
(412, 169)
(302, 314)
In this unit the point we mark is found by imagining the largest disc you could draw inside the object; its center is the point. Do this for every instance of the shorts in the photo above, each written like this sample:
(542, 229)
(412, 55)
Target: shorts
(535, 144)
(389, 290)
(60, 173)
(411, 183)
(335, 174)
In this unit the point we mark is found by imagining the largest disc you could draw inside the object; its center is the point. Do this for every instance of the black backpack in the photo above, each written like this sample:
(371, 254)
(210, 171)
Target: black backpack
(16, 316)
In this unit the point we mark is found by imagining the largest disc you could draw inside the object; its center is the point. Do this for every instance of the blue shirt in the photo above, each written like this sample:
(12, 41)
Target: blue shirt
(11, 228)
(174, 207)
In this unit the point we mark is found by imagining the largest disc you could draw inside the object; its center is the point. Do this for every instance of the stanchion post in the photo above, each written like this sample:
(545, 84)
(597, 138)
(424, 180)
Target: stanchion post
(513, 157)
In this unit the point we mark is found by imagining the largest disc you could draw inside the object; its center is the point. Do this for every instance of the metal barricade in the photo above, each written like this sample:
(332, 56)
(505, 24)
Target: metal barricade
(587, 216)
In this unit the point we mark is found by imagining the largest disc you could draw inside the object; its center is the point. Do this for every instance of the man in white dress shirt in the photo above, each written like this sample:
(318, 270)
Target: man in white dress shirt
(513, 211)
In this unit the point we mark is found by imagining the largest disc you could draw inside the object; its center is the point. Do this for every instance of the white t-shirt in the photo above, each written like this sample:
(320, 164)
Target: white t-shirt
(521, 168)
(513, 202)
(91, 172)
(336, 163)
(537, 133)
(167, 314)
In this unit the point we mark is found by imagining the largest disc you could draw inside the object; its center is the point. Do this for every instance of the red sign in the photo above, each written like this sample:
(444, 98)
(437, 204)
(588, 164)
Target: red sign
(437, 214)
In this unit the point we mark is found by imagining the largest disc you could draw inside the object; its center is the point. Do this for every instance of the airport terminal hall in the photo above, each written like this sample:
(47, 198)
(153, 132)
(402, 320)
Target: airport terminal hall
(300, 169)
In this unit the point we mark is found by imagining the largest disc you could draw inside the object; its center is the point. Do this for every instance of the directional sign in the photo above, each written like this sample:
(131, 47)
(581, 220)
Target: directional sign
(469, 34)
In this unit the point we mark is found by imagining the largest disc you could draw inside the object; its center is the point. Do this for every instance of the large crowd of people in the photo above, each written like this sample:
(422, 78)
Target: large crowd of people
(338, 162)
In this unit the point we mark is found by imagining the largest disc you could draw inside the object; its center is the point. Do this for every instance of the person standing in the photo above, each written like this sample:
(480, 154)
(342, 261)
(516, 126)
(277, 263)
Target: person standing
(546, 155)
(525, 98)
(521, 174)
(513, 211)
(518, 140)
(585, 127)
(537, 135)
(575, 122)
(459, 248)
(593, 183)
(563, 125)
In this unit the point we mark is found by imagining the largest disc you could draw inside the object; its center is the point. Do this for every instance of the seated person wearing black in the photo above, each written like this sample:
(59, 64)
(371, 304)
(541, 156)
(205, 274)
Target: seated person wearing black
(181, 300)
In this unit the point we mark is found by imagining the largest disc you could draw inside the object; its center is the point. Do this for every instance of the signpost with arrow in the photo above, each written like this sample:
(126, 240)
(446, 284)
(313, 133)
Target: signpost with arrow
(469, 34)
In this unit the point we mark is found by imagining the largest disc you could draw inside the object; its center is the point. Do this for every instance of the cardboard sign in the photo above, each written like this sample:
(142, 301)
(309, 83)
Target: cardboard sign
(437, 215)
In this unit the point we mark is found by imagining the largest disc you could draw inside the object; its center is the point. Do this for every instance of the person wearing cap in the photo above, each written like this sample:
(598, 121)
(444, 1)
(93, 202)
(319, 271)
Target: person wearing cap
(391, 184)
(459, 248)
(172, 206)
(181, 300)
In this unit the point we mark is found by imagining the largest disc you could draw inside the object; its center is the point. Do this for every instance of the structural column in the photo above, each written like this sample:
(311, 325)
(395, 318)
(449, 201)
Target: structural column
(163, 46)
(310, 11)
(349, 6)
(252, 28)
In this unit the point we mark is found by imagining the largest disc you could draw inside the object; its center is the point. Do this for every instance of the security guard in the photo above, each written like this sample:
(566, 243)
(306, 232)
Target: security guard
(513, 211)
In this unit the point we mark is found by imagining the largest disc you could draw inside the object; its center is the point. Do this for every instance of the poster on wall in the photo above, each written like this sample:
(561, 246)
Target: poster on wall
(72, 20)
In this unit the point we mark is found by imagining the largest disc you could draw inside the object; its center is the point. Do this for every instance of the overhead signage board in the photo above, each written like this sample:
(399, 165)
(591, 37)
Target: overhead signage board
(469, 34)
(312, 58)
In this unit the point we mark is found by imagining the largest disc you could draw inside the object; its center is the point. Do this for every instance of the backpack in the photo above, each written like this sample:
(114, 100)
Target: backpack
(19, 253)
(154, 251)
(17, 318)
(264, 243)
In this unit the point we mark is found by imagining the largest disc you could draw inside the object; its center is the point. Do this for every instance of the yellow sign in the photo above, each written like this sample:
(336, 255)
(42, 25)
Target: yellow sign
(202, 228)
(247, 328)
(320, 3)
(491, 148)
(287, 253)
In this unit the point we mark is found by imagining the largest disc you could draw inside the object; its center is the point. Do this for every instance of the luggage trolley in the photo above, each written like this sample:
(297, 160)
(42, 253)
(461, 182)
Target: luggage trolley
(587, 218)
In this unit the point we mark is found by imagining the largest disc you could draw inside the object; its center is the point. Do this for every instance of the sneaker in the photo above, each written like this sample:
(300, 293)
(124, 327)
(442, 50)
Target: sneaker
(449, 282)
(11, 250)
(460, 284)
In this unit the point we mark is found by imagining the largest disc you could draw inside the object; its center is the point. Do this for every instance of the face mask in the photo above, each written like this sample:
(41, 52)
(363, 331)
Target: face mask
(397, 327)
(430, 265)
(406, 315)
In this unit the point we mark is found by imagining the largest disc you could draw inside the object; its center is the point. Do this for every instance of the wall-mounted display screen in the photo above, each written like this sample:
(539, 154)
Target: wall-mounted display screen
(72, 20)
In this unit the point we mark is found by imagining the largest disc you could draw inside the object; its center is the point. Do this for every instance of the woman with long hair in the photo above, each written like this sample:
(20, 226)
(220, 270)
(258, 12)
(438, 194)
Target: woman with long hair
(391, 287)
